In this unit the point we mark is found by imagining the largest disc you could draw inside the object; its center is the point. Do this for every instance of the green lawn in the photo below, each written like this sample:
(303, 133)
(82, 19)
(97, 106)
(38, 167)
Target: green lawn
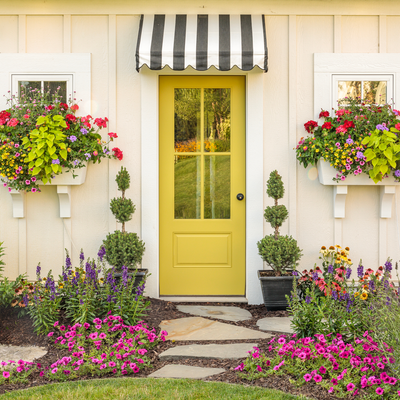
(134, 388)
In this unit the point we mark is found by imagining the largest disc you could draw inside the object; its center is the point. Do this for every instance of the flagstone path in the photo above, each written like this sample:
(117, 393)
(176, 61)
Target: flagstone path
(198, 329)
(15, 353)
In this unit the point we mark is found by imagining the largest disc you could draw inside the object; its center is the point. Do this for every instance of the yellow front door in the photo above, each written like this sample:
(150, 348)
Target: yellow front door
(202, 178)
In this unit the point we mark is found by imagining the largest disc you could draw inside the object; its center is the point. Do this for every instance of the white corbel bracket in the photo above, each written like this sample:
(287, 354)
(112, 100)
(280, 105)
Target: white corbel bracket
(387, 193)
(18, 203)
(64, 198)
(386, 196)
(339, 201)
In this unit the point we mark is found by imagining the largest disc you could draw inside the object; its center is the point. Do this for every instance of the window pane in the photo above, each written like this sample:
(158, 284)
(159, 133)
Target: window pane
(217, 187)
(24, 86)
(217, 120)
(59, 87)
(187, 187)
(375, 91)
(187, 120)
(351, 89)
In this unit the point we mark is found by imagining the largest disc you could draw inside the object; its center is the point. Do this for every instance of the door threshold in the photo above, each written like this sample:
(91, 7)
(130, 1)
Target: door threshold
(205, 299)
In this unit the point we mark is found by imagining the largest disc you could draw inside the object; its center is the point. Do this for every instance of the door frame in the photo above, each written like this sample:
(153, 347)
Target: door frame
(255, 185)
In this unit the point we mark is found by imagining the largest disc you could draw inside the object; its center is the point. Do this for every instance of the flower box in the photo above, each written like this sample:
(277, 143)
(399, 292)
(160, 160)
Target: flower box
(326, 173)
(66, 178)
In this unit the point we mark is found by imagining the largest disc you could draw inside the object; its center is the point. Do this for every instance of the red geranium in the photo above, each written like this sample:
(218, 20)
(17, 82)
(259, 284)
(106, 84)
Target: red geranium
(74, 107)
(100, 122)
(348, 124)
(70, 118)
(324, 114)
(64, 106)
(310, 125)
(4, 116)
(112, 135)
(117, 153)
(327, 125)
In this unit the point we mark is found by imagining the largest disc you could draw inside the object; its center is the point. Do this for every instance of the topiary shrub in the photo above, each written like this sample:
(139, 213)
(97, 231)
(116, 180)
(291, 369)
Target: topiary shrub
(123, 248)
(279, 252)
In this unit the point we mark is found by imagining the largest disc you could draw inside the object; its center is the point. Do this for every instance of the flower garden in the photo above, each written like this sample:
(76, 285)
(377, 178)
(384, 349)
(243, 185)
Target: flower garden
(347, 335)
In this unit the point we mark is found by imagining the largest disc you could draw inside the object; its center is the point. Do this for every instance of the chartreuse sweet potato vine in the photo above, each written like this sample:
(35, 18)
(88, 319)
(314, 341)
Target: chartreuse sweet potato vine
(383, 152)
(47, 144)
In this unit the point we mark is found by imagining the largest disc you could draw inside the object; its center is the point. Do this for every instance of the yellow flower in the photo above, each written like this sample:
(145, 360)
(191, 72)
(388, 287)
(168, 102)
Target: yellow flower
(364, 296)
(356, 294)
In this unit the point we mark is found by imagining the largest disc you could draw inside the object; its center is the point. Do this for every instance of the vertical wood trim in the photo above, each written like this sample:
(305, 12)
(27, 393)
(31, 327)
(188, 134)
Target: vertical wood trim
(67, 222)
(22, 239)
(112, 109)
(382, 34)
(382, 240)
(22, 33)
(338, 231)
(292, 178)
(337, 33)
(67, 33)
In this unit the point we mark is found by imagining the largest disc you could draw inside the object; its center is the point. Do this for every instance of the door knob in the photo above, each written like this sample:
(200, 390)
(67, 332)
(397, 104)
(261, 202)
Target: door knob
(240, 196)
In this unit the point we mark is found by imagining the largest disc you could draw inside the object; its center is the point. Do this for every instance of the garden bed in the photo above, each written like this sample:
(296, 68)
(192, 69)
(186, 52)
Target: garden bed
(19, 332)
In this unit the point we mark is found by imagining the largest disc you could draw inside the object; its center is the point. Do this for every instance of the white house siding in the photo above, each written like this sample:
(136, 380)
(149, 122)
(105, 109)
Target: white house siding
(108, 30)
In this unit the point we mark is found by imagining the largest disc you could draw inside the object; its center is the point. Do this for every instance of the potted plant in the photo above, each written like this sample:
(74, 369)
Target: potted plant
(124, 248)
(358, 138)
(41, 137)
(281, 253)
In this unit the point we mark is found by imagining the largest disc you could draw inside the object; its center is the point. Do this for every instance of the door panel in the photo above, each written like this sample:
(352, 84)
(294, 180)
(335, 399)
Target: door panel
(202, 169)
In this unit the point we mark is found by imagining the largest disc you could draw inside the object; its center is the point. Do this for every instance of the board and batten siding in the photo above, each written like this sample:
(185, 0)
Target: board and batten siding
(295, 31)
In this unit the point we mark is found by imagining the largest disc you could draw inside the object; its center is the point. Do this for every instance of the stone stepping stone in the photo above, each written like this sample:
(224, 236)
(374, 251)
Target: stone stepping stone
(220, 351)
(276, 324)
(220, 312)
(16, 353)
(185, 371)
(197, 328)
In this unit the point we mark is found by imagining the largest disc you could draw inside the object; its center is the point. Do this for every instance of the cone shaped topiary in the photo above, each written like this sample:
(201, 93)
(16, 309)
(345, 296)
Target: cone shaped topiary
(123, 248)
(279, 252)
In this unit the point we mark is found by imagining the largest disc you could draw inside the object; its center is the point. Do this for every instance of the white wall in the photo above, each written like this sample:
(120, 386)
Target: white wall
(295, 31)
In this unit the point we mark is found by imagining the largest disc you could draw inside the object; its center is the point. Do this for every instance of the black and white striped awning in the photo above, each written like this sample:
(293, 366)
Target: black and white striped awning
(202, 41)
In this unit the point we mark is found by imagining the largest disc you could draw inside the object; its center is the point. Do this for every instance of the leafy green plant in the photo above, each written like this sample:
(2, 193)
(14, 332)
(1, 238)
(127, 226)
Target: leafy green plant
(123, 248)
(47, 145)
(383, 152)
(279, 252)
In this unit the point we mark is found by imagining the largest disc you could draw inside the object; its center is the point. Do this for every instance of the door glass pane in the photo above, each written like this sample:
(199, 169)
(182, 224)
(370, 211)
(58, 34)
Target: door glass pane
(24, 86)
(217, 187)
(351, 89)
(187, 120)
(57, 86)
(187, 183)
(217, 120)
(375, 91)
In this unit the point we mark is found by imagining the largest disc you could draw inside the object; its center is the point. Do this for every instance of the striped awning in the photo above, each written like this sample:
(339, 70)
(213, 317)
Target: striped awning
(202, 41)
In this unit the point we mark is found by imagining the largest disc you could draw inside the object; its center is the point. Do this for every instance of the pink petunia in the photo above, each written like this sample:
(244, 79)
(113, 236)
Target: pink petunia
(6, 374)
(350, 387)
(307, 377)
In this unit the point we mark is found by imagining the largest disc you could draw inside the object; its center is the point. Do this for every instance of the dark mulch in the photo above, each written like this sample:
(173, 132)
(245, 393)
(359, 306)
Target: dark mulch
(19, 332)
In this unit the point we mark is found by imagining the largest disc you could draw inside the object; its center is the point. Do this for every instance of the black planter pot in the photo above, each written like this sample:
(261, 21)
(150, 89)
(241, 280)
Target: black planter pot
(139, 274)
(274, 291)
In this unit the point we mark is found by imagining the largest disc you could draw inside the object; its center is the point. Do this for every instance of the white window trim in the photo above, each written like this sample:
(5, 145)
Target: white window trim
(327, 65)
(388, 78)
(150, 173)
(77, 65)
(68, 78)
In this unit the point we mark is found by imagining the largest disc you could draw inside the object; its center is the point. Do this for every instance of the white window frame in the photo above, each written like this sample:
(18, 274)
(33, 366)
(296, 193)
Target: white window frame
(388, 78)
(13, 66)
(329, 65)
(68, 78)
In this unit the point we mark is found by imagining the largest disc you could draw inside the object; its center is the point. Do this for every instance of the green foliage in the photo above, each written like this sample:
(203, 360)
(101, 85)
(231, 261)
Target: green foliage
(47, 143)
(2, 263)
(383, 152)
(122, 209)
(281, 253)
(275, 187)
(276, 215)
(123, 248)
(123, 179)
